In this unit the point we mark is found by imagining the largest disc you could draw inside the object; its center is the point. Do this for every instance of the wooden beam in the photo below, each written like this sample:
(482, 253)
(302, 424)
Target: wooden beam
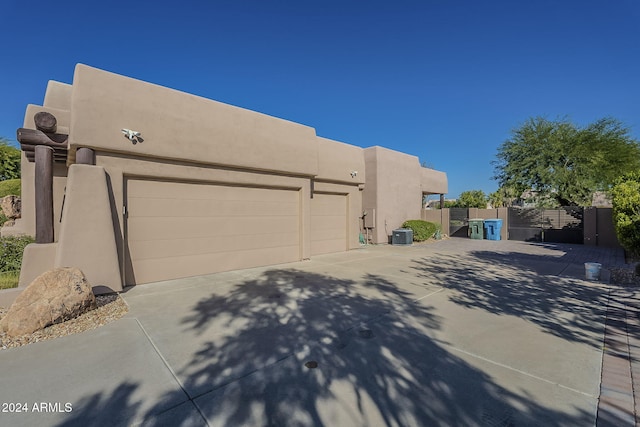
(85, 156)
(30, 139)
(59, 158)
(44, 194)
(36, 137)
(57, 152)
(46, 122)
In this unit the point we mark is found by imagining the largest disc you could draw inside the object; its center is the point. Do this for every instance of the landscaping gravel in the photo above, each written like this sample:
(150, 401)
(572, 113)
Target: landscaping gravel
(110, 307)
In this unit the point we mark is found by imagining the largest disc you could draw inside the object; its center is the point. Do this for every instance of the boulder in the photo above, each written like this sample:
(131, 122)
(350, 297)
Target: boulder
(11, 206)
(53, 297)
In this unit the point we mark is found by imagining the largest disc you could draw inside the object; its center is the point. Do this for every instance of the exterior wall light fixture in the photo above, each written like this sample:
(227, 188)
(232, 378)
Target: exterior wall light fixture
(132, 135)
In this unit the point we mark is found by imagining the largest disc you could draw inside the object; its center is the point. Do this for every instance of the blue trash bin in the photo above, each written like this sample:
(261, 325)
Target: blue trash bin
(492, 228)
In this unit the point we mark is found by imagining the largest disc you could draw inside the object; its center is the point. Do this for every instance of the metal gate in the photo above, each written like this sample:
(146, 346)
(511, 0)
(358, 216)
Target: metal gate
(458, 222)
(564, 225)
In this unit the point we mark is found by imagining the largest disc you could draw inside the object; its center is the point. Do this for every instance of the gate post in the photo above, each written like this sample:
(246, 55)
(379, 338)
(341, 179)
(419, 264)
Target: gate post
(590, 226)
(503, 214)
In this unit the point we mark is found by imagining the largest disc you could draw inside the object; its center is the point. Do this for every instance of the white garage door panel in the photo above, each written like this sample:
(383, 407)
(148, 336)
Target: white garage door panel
(182, 229)
(328, 223)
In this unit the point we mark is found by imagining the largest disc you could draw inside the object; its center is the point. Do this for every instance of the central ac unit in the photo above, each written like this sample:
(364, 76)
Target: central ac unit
(402, 236)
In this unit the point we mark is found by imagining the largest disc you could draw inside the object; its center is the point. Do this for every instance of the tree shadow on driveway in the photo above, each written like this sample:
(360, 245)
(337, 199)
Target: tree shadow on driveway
(373, 367)
(514, 283)
(371, 362)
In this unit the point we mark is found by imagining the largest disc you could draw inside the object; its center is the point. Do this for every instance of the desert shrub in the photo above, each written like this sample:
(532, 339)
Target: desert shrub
(422, 230)
(11, 250)
(625, 198)
(10, 187)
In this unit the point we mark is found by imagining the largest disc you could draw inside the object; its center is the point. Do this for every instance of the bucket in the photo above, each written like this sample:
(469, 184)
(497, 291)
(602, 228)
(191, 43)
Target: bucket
(592, 270)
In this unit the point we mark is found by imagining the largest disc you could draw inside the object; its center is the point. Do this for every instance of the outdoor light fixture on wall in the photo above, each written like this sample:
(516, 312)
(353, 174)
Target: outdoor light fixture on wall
(132, 135)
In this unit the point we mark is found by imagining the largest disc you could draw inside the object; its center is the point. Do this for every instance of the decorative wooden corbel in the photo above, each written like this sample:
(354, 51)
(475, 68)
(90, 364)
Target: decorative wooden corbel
(46, 125)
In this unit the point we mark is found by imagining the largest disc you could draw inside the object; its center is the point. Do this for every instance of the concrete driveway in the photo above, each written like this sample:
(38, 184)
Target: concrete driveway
(453, 333)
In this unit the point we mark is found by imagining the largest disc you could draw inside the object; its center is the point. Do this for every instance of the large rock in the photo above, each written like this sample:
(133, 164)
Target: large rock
(11, 206)
(53, 297)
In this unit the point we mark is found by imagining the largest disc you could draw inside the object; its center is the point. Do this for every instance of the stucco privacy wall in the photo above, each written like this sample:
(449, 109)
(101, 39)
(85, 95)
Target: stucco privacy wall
(395, 185)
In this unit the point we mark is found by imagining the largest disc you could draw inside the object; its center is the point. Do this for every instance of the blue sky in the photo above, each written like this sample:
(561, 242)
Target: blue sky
(443, 80)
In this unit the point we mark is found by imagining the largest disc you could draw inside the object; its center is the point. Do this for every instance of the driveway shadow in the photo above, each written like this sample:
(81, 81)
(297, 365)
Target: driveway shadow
(515, 284)
(293, 348)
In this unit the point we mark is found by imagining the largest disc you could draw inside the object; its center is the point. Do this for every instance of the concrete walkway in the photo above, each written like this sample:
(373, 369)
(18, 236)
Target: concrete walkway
(458, 332)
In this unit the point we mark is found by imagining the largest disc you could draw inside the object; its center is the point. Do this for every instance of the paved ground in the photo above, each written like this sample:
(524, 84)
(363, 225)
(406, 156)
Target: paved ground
(455, 333)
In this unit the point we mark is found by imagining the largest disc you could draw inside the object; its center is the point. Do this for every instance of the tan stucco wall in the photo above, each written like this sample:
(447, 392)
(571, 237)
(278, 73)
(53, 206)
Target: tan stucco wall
(87, 237)
(58, 95)
(337, 161)
(180, 126)
(433, 181)
(370, 194)
(438, 216)
(37, 258)
(394, 188)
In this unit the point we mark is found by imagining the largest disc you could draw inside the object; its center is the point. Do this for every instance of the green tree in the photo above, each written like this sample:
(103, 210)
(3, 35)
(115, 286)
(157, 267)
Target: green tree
(503, 197)
(564, 162)
(9, 160)
(472, 199)
(625, 197)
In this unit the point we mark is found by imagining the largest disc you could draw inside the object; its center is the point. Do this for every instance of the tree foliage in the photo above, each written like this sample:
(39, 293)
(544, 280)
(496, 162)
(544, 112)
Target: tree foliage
(625, 197)
(567, 163)
(10, 187)
(472, 199)
(503, 197)
(9, 161)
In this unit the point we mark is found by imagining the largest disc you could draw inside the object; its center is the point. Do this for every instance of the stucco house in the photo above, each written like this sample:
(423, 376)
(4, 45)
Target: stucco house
(136, 183)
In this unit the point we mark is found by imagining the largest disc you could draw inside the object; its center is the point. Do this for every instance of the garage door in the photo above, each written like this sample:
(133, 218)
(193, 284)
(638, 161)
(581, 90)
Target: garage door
(328, 223)
(179, 229)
